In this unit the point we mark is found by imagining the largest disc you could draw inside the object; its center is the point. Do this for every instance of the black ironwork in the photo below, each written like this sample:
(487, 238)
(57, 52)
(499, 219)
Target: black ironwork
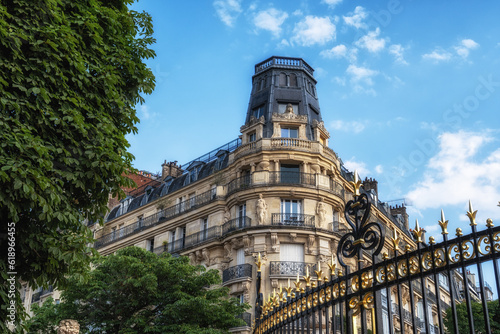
(247, 318)
(285, 177)
(157, 218)
(292, 219)
(236, 224)
(240, 183)
(355, 301)
(239, 271)
(290, 268)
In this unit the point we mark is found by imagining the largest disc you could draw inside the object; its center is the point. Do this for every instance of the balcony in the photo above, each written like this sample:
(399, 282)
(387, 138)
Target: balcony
(157, 218)
(292, 219)
(236, 224)
(266, 179)
(283, 62)
(290, 268)
(247, 317)
(190, 240)
(239, 271)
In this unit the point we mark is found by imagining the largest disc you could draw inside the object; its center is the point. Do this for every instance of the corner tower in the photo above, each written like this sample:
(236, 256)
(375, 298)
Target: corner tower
(284, 88)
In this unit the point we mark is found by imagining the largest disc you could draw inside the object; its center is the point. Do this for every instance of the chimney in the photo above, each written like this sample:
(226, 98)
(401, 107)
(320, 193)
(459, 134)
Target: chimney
(370, 184)
(401, 209)
(170, 169)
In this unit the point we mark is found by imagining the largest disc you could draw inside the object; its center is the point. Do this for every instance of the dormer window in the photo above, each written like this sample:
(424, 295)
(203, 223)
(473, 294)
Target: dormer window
(221, 156)
(258, 112)
(193, 171)
(252, 137)
(124, 206)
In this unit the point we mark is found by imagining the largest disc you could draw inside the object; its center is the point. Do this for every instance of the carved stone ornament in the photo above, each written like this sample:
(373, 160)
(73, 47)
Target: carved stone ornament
(292, 236)
(274, 283)
(68, 326)
(228, 248)
(206, 256)
(247, 244)
(321, 213)
(310, 243)
(321, 126)
(275, 242)
(263, 166)
(192, 258)
(199, 256)
(227, 214)
(261, 208)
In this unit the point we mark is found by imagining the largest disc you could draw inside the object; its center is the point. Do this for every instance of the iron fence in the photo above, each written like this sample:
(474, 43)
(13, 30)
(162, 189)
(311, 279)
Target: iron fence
(290, 268)
(292, 178)
(357, 284)
(236, 224)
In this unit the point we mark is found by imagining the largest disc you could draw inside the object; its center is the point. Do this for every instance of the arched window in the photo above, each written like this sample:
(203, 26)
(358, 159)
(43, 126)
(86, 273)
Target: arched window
(283, 79)
(293, 80)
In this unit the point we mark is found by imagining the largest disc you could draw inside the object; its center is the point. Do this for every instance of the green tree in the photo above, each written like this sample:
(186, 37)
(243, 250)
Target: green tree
(45, 318)
(136, 291)
(477, 315)
(71, 73)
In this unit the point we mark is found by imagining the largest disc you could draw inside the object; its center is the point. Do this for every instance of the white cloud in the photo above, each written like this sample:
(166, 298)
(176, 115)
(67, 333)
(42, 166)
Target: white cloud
(397, 50)
(359, 166)
(437, 55)
(457, 173)
(270, 20)
(337, 51)
(379, 169)
(362, 78)
(145, 114)
(314, 30)
(356, 19)
(332, 3)
(463, 49)
(297, 12)
(371, 42)
(228, 10)
(351, 126)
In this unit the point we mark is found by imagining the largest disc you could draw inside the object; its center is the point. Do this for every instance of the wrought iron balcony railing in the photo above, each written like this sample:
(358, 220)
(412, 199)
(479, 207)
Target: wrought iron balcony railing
(247, 317)
(292, 219)
(290, 268)
(236, 224)
(190, 240)
(155, 219)
(292, 178)
(239, 271)
(240, 183)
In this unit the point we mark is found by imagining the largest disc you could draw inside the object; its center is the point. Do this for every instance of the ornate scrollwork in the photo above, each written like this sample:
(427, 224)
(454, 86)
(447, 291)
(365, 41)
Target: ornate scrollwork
(364, 235)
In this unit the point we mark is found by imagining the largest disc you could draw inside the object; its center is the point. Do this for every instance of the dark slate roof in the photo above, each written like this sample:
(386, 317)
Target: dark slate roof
(136, 202)
(178, 183)
(155, 194)
(113, 212)
(207, 169)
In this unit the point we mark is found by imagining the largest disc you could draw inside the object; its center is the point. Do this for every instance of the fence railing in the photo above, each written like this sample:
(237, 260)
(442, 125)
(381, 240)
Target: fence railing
(239, 271)
(292, 178)
(292, 219)
(153, 220)
(236, 224)
(355, 290)
(290, 268)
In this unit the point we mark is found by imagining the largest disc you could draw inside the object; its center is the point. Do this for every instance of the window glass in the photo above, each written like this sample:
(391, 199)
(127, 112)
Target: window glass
(289, 132)
(258, 112)
(240, 256)
(252, 137)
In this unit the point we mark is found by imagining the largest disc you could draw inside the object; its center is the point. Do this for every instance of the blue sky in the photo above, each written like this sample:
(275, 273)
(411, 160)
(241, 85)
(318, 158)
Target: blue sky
(409, 90)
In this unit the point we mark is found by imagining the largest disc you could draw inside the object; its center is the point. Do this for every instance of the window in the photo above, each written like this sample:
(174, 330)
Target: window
(291, 253)
(289, 133)
(204, 228)
(241, 299)
(183, 236)
(192, 200)
(292, 207)
(252, 137)
(121, 230)
(258, 112)
(150, 244)
(242, 212)
(290, 174)
(57, 301)
(240, 256)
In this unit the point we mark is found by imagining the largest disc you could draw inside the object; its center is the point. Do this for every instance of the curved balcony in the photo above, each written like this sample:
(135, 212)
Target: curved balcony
(292, 219)
(266, 178)
(247, 318)
(290, 268)
(239, 271)
(236, 224)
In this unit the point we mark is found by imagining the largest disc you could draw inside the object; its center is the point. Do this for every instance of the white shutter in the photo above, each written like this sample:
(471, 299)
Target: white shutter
(292, 252)
(240, 256)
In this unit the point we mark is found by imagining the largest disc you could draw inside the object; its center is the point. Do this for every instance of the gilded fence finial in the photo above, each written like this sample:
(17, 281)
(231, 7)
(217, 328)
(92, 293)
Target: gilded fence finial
(259, 263)
(443, 223)
(395, 240)
(432, 241)
(472, 215)
(459, 232)
(356, 183)
(307, 278)
(297, 284)
(333, 266)
(489, 222)
(319, 272)
(418, 232)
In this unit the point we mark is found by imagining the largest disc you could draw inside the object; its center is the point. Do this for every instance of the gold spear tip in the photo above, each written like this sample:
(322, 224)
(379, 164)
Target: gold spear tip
(443, 223)
(472, 215)
(356, 183)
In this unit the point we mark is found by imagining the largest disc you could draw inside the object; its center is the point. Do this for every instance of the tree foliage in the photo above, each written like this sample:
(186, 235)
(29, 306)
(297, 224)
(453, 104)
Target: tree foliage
(71, 73)
(45, 318)
(477, 315)
(136, 291)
